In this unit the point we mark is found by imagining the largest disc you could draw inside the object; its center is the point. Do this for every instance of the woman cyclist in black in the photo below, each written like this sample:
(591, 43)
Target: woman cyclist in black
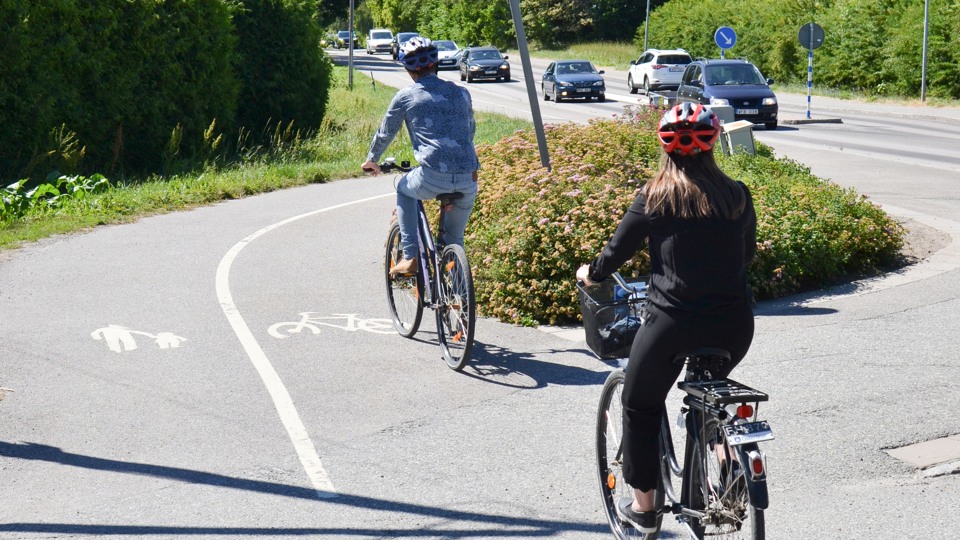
(700, 228)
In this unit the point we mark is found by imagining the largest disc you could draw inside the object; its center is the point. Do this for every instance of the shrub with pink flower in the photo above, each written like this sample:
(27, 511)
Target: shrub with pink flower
(531, 228)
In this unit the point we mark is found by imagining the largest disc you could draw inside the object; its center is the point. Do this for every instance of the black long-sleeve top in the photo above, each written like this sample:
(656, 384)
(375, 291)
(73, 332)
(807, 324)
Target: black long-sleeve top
(697, 265)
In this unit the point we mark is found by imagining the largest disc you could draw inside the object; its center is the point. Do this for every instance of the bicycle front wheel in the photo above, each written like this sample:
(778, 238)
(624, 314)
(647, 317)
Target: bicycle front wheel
(714, 483)
(456, 310)
(610, 460)
(404, 293)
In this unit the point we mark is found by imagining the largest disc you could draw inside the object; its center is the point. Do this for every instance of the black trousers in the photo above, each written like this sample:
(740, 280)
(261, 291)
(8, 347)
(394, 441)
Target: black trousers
(651, 374)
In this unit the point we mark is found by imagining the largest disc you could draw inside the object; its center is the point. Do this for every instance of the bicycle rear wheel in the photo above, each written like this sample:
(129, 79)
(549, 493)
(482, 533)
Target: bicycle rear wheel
(456, 310)
(404, 293)
(610, 460)
(714, 483)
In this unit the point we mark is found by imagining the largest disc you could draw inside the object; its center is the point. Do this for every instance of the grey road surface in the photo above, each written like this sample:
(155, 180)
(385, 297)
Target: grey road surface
(227, 372)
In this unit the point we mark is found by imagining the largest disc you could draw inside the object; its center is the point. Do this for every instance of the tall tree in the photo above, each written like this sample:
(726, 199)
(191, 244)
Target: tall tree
(554, 23)
(330, 11)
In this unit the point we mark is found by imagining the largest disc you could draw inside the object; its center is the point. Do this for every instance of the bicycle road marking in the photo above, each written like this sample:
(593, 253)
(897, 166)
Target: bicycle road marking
(313, 321)
(297, 432)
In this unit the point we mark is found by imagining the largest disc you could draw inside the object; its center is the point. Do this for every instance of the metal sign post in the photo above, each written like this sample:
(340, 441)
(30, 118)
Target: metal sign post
(923, 70)
(725, 38)
(811, 37)
(531, 88)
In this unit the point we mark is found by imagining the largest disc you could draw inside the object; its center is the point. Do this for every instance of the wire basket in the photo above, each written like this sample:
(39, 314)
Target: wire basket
(612, 314)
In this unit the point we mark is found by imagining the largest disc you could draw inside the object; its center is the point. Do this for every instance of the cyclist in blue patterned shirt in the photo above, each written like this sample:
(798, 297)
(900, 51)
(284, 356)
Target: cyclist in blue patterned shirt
(439, 118)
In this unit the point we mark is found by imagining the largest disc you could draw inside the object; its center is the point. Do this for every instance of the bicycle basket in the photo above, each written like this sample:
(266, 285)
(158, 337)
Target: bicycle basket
(612, 315)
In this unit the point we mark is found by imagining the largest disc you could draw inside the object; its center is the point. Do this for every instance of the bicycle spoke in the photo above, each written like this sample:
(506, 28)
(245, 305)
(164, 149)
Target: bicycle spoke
(403, 292)
(456, 312)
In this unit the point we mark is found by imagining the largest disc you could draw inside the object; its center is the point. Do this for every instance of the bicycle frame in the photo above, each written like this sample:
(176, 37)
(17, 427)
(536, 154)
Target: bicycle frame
(429, 254)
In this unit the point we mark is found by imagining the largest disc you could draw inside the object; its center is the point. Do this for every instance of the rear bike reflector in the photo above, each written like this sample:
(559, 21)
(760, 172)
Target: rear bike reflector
(757, 465)
(745, 411)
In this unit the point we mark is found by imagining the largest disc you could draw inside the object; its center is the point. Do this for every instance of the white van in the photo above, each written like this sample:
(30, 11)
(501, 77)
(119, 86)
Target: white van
(378, 40)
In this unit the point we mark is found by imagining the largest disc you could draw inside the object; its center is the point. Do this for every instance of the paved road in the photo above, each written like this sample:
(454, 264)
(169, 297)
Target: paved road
(160, 391)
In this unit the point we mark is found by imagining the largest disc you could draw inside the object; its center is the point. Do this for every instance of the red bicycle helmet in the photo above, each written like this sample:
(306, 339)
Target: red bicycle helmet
(688, 128)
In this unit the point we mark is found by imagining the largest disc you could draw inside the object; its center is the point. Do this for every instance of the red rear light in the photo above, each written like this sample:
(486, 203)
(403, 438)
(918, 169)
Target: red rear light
(757, 465)
(745, 411)
(658, 66)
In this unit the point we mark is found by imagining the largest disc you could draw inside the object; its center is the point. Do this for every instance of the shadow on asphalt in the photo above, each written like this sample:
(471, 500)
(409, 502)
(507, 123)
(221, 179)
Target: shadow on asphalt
(494, 364)
(506, 526)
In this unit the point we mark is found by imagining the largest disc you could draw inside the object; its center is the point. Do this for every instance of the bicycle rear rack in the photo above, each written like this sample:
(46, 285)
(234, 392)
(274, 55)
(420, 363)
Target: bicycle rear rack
(721, 392)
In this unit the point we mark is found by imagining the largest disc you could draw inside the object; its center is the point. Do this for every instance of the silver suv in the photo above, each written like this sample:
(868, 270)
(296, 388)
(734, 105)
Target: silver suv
(656, 69)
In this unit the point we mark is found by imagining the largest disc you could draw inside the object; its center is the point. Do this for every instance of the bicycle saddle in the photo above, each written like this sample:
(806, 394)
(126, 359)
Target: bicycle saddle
(447, 198)
(721, 356)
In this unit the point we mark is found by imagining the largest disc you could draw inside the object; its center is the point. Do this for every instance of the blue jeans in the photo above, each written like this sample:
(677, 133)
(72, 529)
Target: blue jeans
(424, 184)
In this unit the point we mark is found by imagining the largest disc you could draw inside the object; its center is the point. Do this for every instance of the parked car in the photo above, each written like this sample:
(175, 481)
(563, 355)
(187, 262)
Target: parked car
(446, 49)
(572, 79)
(378, 40)
(736, 83)
(483, 63)
(398, 41)
(656, 69)
(343, 39)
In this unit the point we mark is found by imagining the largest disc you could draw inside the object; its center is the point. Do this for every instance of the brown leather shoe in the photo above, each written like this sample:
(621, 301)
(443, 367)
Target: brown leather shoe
(404, 267)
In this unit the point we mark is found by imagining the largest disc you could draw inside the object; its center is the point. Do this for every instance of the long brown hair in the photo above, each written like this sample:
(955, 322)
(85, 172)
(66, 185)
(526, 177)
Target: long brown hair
(690, 187)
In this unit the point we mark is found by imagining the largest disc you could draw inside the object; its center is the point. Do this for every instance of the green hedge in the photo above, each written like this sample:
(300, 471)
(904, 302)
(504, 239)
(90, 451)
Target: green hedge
(284, 74)
(531, 228)
(149, 86)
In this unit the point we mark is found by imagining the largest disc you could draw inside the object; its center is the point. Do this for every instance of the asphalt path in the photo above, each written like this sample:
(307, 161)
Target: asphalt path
(227, 372)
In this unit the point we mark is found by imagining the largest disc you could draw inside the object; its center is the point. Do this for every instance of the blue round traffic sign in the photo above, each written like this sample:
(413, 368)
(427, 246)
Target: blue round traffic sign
(725, 37)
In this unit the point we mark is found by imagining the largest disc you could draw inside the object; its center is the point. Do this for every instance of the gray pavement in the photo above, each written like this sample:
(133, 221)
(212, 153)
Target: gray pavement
(193, 440)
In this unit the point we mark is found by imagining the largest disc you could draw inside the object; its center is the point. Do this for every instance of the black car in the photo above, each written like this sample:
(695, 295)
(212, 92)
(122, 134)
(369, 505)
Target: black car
(572, 79)
(483, 63)
(398, 41)
(736, 83)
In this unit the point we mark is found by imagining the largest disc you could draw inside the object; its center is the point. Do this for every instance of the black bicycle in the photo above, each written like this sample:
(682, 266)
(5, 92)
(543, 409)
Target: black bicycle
(723, 489)
(444, 282)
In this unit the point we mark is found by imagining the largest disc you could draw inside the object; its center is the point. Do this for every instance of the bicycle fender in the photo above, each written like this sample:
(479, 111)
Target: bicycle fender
(756, 485)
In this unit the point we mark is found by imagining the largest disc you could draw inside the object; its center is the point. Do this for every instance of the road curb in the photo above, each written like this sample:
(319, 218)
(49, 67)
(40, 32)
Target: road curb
(798, 121)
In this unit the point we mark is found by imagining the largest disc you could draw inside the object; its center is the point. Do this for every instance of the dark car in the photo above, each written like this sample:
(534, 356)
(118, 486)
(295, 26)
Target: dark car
(736, 83)
(483, 63)
(572, 79)
(398, 41)
(343, 40)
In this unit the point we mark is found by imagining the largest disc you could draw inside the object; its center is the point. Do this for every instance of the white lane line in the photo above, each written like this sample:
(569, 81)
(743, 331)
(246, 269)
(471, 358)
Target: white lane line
(920, 162)
(278, 392)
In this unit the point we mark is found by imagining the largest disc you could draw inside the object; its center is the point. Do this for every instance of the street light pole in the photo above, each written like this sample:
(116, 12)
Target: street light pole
(350, 50)
(923, 70)
(646, 25)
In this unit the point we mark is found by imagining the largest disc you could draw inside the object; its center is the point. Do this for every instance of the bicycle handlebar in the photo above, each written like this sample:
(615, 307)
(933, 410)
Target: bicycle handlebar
(390, 164)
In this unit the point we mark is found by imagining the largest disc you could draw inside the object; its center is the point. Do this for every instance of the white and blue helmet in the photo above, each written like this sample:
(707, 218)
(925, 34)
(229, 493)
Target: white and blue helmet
(418, 53)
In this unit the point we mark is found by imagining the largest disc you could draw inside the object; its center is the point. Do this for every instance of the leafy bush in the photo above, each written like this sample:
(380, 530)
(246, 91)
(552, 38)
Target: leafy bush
(16, 200)
(531, 228)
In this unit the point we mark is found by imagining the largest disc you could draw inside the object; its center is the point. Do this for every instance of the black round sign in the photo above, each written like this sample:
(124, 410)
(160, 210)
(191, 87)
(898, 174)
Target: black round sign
(811, 35)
